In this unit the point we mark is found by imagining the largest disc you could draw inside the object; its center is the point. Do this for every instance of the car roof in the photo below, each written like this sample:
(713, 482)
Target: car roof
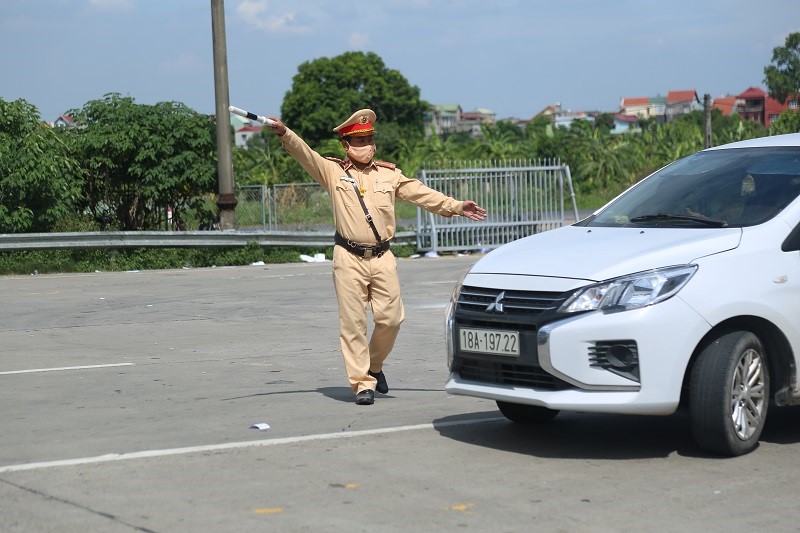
(788, 139)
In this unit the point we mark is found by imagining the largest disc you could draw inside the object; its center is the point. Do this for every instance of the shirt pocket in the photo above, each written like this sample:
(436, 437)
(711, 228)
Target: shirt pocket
(384, 195)
(346, 194)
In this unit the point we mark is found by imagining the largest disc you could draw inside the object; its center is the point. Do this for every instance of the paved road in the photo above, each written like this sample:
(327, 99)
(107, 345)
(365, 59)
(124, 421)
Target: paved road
(127, 400)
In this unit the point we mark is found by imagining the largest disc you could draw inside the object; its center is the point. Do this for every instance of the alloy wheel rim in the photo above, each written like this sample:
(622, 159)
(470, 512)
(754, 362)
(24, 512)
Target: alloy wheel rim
(747, 397)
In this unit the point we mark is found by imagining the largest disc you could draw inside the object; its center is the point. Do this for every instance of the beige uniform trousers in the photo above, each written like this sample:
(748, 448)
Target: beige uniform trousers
(360, 282)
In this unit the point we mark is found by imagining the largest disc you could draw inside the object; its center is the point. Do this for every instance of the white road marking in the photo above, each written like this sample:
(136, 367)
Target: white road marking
(426, 306)
(236, 445)
(63, 368)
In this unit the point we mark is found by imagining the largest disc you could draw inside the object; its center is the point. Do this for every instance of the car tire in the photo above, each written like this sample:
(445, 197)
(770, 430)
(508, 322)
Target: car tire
(729, 394)
(526, 414)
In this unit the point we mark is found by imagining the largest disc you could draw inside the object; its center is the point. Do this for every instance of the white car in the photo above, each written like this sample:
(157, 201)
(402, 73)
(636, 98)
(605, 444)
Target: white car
(682, 291)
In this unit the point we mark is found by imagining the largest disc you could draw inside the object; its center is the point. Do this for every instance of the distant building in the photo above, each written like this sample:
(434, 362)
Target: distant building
(243, 135)
(550, 112)
(625, 124)
(680, 103)
(726, 105)
(238, 122)
(471, 122)
(662, 108)
(645, 107)
(757, 106)
(64, 121)
(564, 118)
(444, 119)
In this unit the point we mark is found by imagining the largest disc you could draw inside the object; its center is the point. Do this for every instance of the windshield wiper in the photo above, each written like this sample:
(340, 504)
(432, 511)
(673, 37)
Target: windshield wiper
(681, 218)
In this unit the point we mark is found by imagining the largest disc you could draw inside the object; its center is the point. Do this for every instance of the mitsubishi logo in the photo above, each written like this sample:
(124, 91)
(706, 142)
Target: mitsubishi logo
(497, 305)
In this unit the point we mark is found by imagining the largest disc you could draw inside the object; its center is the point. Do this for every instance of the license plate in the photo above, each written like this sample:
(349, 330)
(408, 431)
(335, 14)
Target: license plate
(498, 342)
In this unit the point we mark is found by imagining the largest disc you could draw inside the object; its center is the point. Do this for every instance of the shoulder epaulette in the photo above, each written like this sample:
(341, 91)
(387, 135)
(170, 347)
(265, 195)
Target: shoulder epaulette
(341, 162)
(385, 164)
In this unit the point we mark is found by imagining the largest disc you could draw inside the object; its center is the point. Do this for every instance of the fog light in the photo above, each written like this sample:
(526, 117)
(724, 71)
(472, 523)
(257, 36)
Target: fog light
(620, 357)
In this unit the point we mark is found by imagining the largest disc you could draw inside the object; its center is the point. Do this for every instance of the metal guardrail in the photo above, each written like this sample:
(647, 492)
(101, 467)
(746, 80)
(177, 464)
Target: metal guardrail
(171, 239)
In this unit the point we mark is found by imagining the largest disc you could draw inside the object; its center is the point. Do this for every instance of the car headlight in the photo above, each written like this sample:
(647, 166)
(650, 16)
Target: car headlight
(450, 320)
(457, 288)
(630, 292)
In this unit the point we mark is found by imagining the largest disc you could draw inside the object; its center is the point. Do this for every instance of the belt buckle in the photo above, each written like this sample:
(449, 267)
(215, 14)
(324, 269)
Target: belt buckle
(367, 253)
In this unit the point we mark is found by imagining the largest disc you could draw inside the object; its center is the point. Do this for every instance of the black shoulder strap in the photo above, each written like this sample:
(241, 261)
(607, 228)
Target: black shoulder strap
(364, 207)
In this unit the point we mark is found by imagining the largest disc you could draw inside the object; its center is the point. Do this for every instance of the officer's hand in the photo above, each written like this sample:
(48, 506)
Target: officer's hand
(473, 211)
(278, 128)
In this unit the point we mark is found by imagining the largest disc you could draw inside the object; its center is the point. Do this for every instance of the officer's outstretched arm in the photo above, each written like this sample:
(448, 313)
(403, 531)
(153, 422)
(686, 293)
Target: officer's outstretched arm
(277, 127)
(473, 211)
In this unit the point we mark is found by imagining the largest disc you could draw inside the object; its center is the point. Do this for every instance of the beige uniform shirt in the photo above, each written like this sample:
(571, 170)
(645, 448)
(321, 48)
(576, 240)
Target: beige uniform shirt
(380, 185)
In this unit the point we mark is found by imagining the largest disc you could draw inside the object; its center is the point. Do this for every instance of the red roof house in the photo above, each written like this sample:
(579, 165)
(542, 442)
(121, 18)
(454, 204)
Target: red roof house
(757, 106)
(726, 104)
(681, 102)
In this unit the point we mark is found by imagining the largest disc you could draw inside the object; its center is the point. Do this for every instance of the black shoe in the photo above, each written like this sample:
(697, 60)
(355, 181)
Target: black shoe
(365, 397)
(382, 386)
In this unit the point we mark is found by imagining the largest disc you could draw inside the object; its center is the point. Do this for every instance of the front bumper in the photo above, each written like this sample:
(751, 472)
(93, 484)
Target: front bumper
(665, 336)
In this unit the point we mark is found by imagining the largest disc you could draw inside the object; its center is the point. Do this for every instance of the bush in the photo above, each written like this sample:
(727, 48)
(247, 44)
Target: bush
(70, 261)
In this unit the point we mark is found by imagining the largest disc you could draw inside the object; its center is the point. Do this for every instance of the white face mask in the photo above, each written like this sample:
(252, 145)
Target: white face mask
(361, 154)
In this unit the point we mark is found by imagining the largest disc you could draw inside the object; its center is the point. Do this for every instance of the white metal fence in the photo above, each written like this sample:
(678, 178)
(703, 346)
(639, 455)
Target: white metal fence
(252, 203)
(521, 197)
(284, 207)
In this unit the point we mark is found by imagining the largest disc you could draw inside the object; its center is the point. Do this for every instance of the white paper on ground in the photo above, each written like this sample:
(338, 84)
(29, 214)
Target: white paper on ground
(317, 258)
(261, 425)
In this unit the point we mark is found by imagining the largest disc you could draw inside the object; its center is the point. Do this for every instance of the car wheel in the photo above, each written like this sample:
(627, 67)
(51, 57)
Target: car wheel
(526, 414)
(729, 394)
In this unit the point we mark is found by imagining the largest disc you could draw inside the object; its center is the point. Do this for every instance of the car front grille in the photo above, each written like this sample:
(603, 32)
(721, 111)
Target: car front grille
(510, 374)
(507, 302)
(516, 310)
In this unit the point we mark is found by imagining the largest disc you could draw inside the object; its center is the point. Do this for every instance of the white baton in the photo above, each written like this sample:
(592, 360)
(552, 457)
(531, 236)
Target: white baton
(251, 116)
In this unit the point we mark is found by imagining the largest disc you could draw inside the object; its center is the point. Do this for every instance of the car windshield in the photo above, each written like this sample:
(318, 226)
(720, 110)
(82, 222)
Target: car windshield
(716, 188)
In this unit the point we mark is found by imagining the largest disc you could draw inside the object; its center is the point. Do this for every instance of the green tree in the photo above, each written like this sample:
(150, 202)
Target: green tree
(596, 159)
(411, 154)
(787, 122)
(604, 121)
(443, 150)
(500, 142)
(264, 162)
(40, 179)
(542, 140)
(735, 128)
(783, 75)
(724, 129)
(254, 165)
(140, 158)
(671, 141)
(326, 91)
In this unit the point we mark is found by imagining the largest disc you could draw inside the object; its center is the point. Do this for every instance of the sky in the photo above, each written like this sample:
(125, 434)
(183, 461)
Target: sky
(515, 57)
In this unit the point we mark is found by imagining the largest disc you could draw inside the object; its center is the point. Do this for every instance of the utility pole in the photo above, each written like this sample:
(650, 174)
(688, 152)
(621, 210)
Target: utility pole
(227, 199)
(707, 123)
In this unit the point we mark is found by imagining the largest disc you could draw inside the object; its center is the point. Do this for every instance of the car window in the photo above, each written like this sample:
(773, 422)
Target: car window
(732, 187)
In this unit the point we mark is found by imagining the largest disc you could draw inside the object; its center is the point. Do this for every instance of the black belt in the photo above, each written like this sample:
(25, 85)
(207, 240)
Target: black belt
(359, 249)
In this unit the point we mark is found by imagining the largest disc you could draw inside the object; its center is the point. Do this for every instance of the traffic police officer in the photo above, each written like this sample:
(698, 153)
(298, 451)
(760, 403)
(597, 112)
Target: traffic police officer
(363, 193)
